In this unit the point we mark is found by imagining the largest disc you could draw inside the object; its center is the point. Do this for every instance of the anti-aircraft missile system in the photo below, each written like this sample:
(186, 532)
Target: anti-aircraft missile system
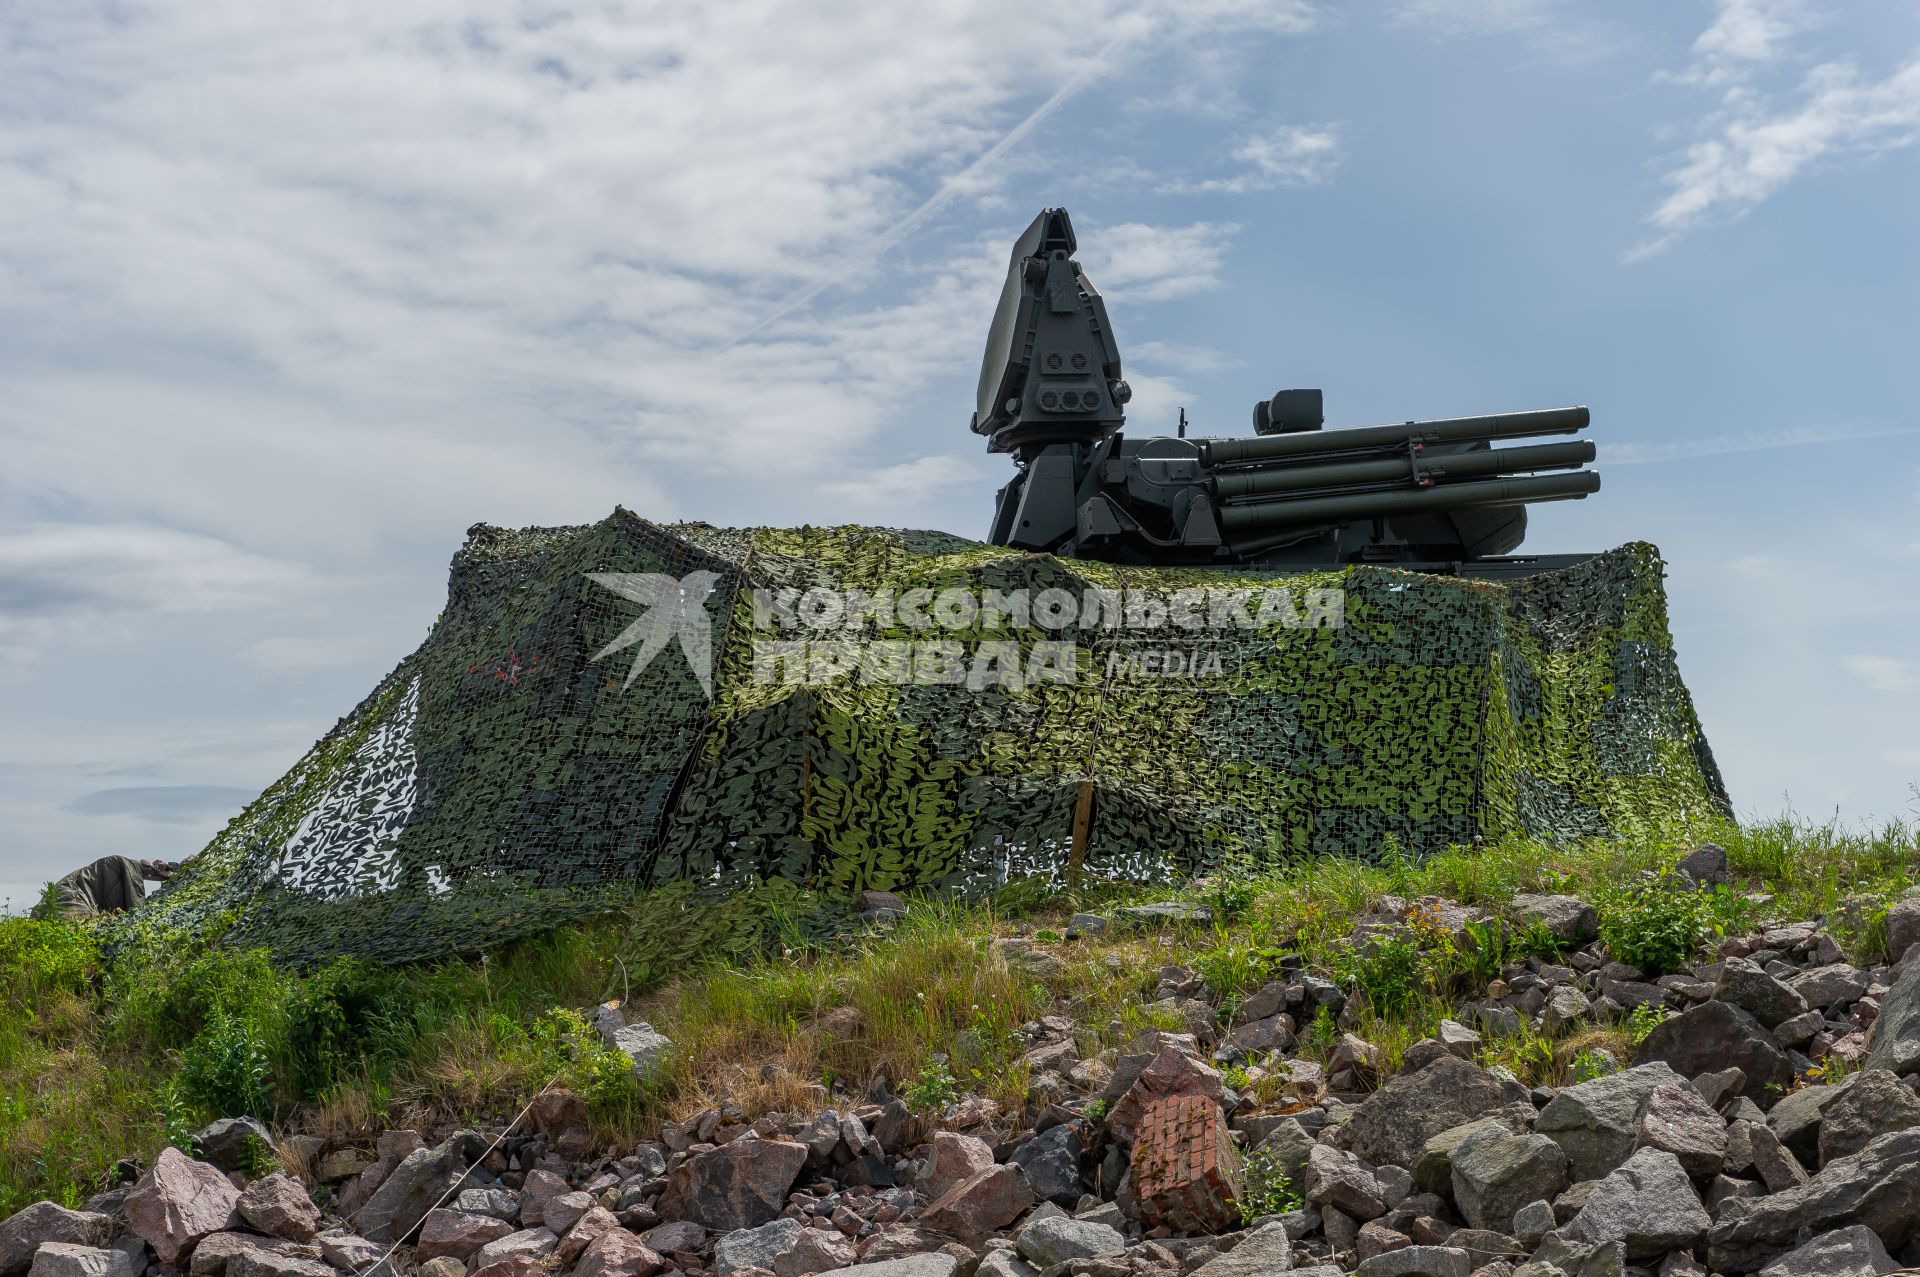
(1432, 496)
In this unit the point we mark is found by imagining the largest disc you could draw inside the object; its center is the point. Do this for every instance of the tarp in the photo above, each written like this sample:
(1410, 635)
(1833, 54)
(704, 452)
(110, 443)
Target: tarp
(844, 733)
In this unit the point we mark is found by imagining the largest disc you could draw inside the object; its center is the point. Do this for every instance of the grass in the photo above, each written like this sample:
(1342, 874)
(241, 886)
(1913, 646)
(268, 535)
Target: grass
(777, 1000)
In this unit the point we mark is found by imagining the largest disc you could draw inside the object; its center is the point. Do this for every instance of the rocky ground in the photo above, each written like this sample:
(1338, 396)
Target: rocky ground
(1768, 1124)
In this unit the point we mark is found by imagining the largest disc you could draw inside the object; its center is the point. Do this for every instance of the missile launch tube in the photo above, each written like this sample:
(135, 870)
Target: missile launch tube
(1306, 443)
(1232, 484)
(1361, 505)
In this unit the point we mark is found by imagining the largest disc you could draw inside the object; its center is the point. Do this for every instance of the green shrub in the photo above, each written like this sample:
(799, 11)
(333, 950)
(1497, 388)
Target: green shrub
(1655, 924)
(225, 1070)
(1643, 1021)
(933, 1090)
(1265, 1188)
(40, 956)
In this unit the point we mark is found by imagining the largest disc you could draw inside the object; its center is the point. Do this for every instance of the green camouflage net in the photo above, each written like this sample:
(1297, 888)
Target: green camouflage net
(511, 774)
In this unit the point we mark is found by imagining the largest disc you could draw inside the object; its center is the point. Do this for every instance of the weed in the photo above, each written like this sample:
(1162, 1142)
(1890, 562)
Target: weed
(1654, 924)
(225, 1069)
(1265, 1188)
(1643, 1020)
(933, 1091)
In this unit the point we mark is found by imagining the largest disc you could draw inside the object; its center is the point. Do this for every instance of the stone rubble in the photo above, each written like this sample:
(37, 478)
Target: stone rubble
(1767, 1124)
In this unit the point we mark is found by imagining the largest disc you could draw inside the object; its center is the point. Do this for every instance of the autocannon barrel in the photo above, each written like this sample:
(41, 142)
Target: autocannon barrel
(1307, 443)
(1252, 482)
(1360, 505)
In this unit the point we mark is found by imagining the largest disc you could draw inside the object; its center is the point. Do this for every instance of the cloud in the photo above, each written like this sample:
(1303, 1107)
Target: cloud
(88, 582)
(1635, 454)
(1745, 34)
(1757, 142)
(1154, 263)
(1287, 155)
(162, 804)
(897, 491)
(1885, 673)
(1902, 757)
(1180, 357)
(1455, 18)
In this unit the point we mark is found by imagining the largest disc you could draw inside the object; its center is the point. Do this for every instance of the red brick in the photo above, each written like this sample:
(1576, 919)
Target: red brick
(1186, 1174)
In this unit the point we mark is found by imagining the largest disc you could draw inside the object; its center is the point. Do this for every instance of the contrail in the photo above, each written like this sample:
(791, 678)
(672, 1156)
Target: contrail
(1635, 454)
(949, 187)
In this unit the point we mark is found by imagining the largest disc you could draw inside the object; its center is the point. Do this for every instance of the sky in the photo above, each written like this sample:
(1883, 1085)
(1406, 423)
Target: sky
(291, 296)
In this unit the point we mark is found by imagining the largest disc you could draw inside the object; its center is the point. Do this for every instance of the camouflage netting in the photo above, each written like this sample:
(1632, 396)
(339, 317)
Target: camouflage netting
(503, 779)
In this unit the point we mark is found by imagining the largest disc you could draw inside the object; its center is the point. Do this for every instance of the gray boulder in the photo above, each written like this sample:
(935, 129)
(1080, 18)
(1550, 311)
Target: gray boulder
(44, 1222)
(1419, 1261)
(234, 1143)
(1796, 1118)
(1567, 918)
(1879, 1186)
(1267, 1249)
(1844, 1252)
(1495, 1172)
(1895, 1041)
(1830, 985)
(1052, 1161)
(1557, 1257)
(1870, 1104)
(1394, 1123)
(1060, 1239)
(1597, 1123)
(1289, 1143)
(1704, 866)
(1678, 1120)
(63, 1259)
(1768, 1000)
(1341, 1181)
(755, 1247)
(1903, 927)
(422, 1179)
(1648, 1205)
(646, 1047)
(933, 1264)
(1719, 1035)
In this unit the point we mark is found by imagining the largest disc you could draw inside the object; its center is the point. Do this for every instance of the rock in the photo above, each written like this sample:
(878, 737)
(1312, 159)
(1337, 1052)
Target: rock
(1704, 866)
(1647, 1205)
(1289, 1144)
(500, 1203)
(1870, 1104)
(1532, 1222)
(1903, 927)
(42, 1223)
(1394, 1123)
(260, 1262)
(1375, 1238)
(1170, 1072)
(930, 1265)
(1052, 1162)
(649, 1050)
(618, 1253)
(279, 1207)
(818, 1250)
(1831, 985)
(390, 1150)
(1082, 925)
(1433, 1172)
(876, 906)
(1775, 1162)
(980, 1204)
(1596, 1123)
(1678, 1120)
(755, 1247)
(1560, 1258)
(1257, 1037)
(585, 1231)
(345, 1251)
(234, 1143)
(1894, 1043)
(739, 1185)
(1185, 1171)
(442, 1266)
(421, 1181)
(458, 1233)
(528, 1243)
(1844, 1252)
(179, 1201)
(1567, 919)
(1164, 912)
(1796, 1118)
(1418, 1261)
(1059, 1240)
(1799, 1030)
(1747, 986)
(955, 1157)
(1340, 1180)
(1879, 1186)
(1267, 1249)
(681, 1235)
(216, 1250)
(1495, 1172)
(64, 1259)
(1718, 1035)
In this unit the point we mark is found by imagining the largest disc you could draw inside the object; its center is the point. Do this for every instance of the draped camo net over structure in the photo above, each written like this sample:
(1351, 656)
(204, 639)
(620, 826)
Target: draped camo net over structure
(502, 779)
